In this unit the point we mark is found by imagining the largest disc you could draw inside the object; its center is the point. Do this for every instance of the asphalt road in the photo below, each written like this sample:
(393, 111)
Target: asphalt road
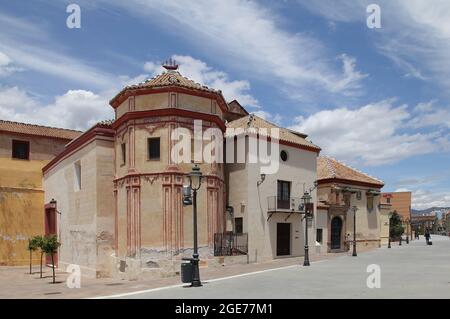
(408, 271)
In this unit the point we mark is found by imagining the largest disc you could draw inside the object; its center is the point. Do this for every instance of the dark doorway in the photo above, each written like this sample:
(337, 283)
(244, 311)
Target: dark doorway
(50, 229)
(336, 230)
(283, 239)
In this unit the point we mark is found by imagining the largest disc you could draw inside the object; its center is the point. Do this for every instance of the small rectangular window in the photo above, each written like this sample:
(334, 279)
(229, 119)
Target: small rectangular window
(319, 235)
(238, 225)
(77, 169)
(131, 105)
(154, 148)
(388, 200)
(21, 149)
(358, 195)
(173, 100)
(194, 149)
(123, 148)
(283, 194)
(214, 107)
(369, 203)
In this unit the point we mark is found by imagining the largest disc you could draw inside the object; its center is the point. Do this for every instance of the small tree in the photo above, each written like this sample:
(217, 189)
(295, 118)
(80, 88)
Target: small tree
(50, 247)
(33, 245)
(395, 226)
(39, 242)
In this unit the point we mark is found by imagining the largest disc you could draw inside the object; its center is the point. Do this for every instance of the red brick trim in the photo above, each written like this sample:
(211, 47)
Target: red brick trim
(348, 182)
(98, 130)
(169, 112)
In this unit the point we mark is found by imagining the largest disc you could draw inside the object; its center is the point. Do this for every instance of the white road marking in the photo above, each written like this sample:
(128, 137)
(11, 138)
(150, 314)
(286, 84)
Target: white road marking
(209, 280)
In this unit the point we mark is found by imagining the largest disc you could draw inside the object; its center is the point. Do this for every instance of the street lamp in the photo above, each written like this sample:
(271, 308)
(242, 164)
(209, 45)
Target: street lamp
(307, 202)
(354, 231)
(195, 181)
(389, 231)
(407, 231)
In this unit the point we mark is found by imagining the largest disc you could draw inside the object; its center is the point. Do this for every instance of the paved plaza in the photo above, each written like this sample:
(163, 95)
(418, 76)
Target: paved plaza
(407, 271)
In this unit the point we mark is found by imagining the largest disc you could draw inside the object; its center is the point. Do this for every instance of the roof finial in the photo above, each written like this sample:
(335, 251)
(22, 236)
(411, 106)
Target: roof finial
(170, 64)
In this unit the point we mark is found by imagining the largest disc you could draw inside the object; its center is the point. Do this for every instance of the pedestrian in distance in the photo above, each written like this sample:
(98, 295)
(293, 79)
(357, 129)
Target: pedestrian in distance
(427, 237)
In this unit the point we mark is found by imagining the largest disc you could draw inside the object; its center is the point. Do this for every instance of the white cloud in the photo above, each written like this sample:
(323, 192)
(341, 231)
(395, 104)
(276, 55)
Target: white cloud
(250, 38)
(352, 78)
(415, 35)
(273, 118)
(423, 199)
(80, 109)
(28, 46)
(6, 66)
(430, 114)
(76, 109)
(371, 134)
(200, 72)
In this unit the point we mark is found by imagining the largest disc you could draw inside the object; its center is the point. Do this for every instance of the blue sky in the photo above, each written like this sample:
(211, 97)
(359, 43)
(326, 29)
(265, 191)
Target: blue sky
(377, 99)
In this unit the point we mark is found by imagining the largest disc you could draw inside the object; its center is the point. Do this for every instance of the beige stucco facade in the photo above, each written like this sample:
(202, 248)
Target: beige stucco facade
(337, 202)
(347, 198)
(251, 203)
(85, 225)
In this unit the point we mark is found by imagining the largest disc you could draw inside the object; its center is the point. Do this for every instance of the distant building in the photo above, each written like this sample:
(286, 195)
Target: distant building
(446, 222)
(340, 190)
(401, 203)
(24, 150)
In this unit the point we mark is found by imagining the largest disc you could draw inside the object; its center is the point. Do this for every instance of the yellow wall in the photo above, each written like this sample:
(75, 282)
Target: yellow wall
(22, 196)
(21, 208)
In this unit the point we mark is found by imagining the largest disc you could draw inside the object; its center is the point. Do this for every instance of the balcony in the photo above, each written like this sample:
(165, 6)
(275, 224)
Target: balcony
(276, 204)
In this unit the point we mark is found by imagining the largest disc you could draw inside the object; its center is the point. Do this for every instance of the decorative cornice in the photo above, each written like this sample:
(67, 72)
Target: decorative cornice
(170, 112)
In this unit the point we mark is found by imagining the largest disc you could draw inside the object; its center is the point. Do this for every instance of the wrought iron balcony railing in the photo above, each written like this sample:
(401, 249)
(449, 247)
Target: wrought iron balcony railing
(230, 244)
(293, 204)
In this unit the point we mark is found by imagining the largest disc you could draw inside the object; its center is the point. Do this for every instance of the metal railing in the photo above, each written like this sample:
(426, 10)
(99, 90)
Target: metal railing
(230, 244)
(274, 203)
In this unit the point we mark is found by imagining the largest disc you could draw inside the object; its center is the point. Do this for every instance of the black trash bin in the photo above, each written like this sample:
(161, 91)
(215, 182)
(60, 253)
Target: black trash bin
(187, 271)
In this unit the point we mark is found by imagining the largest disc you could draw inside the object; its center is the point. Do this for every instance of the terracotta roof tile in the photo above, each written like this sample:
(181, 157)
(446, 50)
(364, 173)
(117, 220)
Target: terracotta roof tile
(38, 130)
(330, 168)
(168, 78)
(253, 121)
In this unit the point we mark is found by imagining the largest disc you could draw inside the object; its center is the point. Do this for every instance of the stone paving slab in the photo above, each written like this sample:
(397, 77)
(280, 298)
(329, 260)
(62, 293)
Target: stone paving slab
(412, 270)
(16, 282)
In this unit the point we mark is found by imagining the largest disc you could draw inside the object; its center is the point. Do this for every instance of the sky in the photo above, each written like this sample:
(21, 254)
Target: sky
(377, 99)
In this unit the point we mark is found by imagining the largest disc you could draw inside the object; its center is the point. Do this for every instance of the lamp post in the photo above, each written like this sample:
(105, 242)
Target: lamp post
(407, 231)
(354, 231)
(306, 201)
(389, 231)
(195, 181)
